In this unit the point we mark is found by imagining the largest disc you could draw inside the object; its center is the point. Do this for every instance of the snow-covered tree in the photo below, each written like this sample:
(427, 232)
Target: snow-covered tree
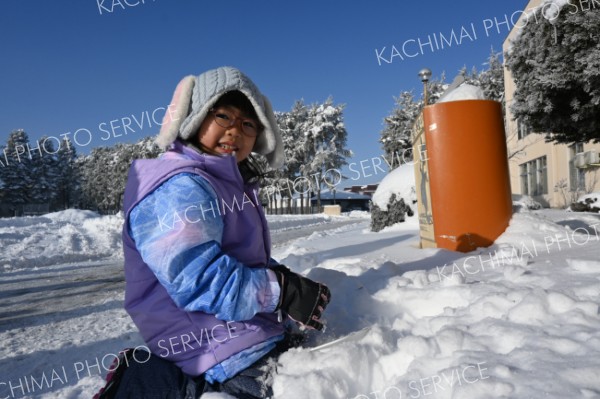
(279, 183)
(396, 135)
(104, 173)
(556, 66)
(92, 170)
(472, 77)
(293, 125)
(146, 148)
(435, 88)
(44, 172)
(17, 174)
(325, 145)
(491, 80)
(68, 184)
(3, 166)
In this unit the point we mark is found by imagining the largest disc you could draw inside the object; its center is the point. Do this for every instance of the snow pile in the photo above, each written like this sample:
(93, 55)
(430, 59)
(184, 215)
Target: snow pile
(519, 319)
(400, 181)
(464, 92)
(358, 214)
(65, 236)
(79, 235)
(524, 202)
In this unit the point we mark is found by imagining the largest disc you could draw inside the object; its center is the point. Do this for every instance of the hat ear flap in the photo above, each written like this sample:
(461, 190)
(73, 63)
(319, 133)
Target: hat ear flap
(276, 157)
(176, 112)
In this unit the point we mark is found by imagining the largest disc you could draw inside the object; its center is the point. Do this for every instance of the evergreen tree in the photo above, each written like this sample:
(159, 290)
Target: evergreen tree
(104, 173)
(279, 184)
(435, 89)
(556, 67)
(44, 172)
(396, 135)
(293, 125)
(146, 148)
(326, 139)
(17, 174)
(3, 168)
(68, 184)
(491, 80)
(93, 169)
(471, 78)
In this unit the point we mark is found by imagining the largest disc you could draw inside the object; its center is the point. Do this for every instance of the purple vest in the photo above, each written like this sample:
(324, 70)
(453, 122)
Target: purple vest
(196, 341)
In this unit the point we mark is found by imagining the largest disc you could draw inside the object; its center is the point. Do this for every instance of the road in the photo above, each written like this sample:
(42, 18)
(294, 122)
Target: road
(59, 292)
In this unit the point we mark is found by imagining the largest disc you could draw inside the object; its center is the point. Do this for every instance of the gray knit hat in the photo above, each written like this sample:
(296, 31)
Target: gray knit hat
(195, 95)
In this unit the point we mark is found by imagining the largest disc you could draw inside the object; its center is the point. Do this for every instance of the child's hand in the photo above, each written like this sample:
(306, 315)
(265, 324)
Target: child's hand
(301, 298)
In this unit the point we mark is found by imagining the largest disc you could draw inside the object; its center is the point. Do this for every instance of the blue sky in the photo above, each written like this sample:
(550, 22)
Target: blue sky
(78, 65)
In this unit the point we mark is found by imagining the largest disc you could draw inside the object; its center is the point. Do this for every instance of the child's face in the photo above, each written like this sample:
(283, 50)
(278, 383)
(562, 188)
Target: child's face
(239, 138)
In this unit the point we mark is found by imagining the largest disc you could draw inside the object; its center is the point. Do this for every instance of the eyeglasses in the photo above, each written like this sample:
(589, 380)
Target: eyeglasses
(227, 119)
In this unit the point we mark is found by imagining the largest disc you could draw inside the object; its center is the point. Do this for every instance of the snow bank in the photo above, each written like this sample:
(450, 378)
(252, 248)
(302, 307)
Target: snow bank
(400, 181)
(464, 92)
(76, 235)
(524, 202)
(60, 237)
(358, 214)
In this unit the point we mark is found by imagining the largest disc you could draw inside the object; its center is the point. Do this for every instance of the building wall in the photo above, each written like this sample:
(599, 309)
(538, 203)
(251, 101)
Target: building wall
(521, 151)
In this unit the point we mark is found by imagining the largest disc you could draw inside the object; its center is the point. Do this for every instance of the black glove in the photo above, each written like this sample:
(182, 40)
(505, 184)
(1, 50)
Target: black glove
(301, 298)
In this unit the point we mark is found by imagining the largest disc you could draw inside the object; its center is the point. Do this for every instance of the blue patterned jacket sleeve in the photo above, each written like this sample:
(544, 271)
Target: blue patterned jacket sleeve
(187, 259)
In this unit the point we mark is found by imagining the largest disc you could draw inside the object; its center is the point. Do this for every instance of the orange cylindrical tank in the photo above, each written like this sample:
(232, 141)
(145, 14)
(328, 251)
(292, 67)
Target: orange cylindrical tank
(468, 171)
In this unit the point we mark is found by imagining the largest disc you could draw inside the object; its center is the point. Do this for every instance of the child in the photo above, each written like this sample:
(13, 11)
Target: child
(200, 284)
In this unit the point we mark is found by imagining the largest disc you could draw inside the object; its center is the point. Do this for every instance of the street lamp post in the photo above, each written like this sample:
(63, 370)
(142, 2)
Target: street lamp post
(425, 74)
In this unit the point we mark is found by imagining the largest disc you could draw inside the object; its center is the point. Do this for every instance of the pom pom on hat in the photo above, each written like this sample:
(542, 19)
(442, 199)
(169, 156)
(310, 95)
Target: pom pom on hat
(195, 96)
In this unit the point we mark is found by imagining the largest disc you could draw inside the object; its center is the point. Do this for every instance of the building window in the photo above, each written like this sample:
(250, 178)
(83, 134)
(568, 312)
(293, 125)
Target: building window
(576, 175)
(534, 177)
(524, 178)
(522, 129)
(542, 176)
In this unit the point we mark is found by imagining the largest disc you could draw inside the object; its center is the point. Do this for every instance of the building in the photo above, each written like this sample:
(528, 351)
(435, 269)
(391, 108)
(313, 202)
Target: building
(367, 189)
(348, 201)
(553, 174)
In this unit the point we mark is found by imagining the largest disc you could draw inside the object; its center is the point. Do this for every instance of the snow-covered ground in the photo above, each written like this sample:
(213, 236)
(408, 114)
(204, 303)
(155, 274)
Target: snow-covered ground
(517, 320)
